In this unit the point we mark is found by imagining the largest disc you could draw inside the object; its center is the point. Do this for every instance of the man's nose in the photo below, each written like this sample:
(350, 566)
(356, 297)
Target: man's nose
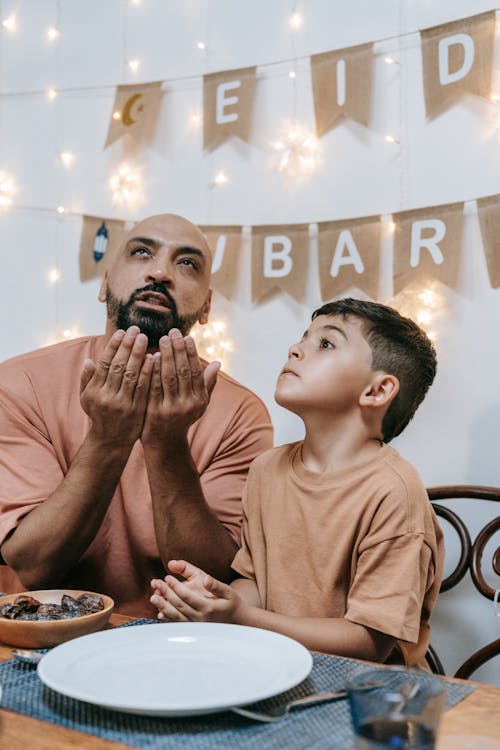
(159, 273)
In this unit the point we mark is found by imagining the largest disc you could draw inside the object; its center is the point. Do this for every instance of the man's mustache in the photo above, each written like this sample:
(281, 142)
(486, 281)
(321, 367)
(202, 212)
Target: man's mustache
(160, 289)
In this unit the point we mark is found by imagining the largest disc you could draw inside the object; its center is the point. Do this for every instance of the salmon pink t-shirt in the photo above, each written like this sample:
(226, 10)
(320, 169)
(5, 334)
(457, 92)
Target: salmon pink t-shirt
(42, 426)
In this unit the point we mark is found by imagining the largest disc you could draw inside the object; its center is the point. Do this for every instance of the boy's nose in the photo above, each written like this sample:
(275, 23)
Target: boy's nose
(294, 351)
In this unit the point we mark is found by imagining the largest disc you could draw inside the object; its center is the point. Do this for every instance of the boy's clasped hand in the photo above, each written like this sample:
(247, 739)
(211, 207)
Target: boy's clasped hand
(199, 597)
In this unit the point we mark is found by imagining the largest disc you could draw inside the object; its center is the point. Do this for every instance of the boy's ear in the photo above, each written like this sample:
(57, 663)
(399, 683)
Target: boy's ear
(381, 390)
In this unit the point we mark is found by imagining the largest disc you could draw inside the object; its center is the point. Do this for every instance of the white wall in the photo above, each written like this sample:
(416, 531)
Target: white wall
(453, 438)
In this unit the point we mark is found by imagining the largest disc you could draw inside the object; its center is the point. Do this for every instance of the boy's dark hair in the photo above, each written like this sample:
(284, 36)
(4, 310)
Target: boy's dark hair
(399, 347)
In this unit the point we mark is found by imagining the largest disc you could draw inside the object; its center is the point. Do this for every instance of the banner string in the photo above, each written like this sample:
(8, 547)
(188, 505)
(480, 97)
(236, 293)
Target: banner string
(68, 213)
(193, 76)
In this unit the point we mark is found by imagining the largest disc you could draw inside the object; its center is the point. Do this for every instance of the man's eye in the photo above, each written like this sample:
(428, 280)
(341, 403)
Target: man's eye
(140, 251)
(187, 262)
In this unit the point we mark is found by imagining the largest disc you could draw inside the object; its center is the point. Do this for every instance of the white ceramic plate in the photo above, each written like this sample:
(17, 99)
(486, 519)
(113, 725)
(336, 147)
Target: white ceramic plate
(175, 669)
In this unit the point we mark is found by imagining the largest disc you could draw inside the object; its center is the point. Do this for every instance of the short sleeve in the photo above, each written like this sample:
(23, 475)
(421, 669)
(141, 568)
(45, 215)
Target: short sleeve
(389, 586)
(29, 468)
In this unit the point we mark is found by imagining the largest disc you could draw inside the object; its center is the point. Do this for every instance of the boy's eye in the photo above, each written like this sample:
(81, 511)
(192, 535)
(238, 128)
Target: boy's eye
(325, 344)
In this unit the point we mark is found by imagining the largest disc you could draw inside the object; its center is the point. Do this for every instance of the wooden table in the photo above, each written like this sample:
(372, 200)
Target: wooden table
(473, 724)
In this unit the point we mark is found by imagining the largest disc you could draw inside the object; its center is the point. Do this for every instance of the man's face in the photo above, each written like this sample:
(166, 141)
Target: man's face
(328, 369)
(160, 279)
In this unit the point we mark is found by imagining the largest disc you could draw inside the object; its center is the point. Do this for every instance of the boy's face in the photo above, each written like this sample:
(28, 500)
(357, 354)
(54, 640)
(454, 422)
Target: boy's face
(328, 369)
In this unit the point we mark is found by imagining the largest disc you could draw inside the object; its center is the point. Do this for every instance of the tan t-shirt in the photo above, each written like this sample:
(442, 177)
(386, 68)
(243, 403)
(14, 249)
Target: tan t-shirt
(42, 426)
(362, 543)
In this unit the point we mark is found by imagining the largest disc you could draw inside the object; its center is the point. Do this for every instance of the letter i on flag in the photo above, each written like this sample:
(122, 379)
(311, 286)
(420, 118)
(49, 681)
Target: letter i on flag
(342, 86)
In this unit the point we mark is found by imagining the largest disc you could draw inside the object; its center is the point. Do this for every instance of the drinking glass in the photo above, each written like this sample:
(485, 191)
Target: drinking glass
(396, 708)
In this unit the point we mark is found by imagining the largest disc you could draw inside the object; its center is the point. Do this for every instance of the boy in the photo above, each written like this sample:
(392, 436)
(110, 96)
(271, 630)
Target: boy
(341, 548)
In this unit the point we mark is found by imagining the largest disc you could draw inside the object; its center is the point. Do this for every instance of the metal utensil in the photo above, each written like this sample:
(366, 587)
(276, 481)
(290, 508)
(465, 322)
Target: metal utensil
(280, 711)
(27, 656)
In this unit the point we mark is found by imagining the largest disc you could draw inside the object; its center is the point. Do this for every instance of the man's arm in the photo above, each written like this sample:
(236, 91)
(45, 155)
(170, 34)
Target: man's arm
(213, 601)
(185, 525)
(52, 537)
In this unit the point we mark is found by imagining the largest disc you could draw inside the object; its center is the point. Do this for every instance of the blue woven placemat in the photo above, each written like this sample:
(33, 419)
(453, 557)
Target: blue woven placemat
(322, 727)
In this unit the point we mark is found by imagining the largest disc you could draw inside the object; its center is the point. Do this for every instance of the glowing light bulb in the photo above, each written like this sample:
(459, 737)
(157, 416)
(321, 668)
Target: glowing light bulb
(221, 178)
(391, 225)
(67, 158)
(428, 297)
(390, 139)
(54, 275)
(296, 20)
(423, 317)
(134, 65)
(117, 115)
(60, 209)
(65, 335)
(9, 24)
(126, 185)
(298, 152)
(390, 60)
(292, 74)
(51, 94)
(7, 190)
(196, 119)
(211, 341)
(201, 45)
(53, 33)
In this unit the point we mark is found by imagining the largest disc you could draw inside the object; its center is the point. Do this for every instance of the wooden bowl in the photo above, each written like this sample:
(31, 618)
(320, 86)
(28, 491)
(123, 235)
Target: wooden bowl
(46, 633)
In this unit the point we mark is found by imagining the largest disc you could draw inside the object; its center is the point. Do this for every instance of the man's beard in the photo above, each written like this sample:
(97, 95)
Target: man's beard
(153, 324)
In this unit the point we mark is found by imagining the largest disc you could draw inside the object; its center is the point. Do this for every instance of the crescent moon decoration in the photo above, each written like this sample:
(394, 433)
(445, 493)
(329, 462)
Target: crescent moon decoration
(127, 118)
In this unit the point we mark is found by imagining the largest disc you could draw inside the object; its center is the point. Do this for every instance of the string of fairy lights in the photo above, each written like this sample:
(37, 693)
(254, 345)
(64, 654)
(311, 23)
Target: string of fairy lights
(297, 152)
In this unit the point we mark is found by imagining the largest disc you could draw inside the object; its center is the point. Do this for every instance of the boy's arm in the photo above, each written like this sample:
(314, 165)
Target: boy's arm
(332, 635)
(217, 602)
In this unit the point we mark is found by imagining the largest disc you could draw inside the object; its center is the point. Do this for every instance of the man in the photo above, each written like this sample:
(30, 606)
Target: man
(121, 451)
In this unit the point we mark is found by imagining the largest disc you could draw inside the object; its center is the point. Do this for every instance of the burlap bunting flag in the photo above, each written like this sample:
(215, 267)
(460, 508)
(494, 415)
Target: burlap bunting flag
(280, 259)
(427, 244)
(98, 240)
(457, 58)
(488, 210)
(225, 244)
(342, 86)
(349, 256)
(135, 112)
(228, 102)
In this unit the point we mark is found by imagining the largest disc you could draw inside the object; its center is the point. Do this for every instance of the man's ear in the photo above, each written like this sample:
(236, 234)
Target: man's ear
(381, 391)
(205, 310)
(104, 285)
